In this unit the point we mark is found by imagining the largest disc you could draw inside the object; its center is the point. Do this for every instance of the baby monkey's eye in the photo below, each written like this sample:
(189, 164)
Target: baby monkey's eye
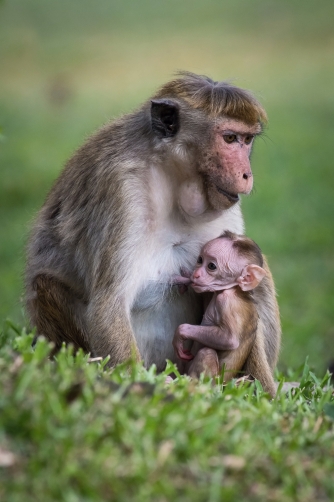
(211, 266)
(200, 260)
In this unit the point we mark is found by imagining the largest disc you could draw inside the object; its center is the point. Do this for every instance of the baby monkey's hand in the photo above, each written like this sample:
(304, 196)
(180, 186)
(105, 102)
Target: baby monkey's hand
(181, 336)
(182, 281)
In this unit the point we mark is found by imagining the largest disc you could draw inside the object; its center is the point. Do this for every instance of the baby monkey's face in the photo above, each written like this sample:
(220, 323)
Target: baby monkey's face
(218, 266)
(222, 266)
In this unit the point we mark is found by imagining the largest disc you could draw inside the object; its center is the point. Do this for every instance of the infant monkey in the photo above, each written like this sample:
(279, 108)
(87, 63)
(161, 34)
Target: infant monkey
(230, 267)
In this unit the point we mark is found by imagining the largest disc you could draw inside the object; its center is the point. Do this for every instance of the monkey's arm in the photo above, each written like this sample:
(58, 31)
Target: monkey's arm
(182, 282)
(180, 279)
(214, 337)
(110, 329)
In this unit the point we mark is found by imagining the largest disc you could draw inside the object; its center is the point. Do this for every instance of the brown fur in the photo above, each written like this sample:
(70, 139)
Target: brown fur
(245, 246)
(248, 359)
(55, 304)
(239, 315)
(215, 98)
(100, 226)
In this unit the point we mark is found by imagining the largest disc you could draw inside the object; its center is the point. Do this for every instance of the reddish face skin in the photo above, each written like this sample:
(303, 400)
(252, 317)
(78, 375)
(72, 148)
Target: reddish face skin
(227, 170)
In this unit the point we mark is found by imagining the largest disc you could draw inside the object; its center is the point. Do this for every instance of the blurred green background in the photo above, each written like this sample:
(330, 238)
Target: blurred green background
(67, 67)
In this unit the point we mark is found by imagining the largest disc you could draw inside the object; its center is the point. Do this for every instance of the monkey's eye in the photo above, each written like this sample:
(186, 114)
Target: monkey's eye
(211, 266)
(199, 260)
(230, 138)
(248, 139)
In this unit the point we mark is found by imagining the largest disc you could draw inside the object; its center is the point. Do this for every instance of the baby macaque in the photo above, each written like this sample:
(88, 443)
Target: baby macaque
(230, 267)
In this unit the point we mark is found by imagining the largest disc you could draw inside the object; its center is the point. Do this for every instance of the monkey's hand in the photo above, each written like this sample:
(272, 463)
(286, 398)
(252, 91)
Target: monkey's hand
(182, 334)
(181, 282)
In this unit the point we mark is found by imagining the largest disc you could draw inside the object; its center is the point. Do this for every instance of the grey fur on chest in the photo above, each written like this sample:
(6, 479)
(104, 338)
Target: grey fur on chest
(153, 294)
(158, 310)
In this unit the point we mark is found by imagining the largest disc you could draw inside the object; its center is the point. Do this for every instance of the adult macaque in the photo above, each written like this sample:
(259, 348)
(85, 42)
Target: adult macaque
(229, 268)
(132, 208)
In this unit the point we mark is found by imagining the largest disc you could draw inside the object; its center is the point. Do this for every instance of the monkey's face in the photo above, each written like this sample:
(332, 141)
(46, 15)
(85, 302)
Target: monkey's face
(226, 166)
(220, 148)
(218, 267)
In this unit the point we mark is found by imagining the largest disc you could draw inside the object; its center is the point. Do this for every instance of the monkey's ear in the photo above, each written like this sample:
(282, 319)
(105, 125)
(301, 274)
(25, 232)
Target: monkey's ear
(165, 117)
(250, 277)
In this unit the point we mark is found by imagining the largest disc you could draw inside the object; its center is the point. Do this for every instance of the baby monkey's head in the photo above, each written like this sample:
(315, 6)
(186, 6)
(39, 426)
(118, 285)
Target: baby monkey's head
(228, 261)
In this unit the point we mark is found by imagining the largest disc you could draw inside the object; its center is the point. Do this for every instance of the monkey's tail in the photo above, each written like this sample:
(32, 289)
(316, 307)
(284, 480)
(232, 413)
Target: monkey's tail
(258, 367)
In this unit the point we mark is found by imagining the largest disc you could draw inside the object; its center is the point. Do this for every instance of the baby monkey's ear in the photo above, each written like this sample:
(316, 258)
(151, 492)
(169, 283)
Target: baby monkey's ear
(250, 277)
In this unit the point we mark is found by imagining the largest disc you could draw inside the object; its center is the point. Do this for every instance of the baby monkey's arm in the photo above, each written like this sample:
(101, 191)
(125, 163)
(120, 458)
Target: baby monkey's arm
(181, 281)
(213, 337)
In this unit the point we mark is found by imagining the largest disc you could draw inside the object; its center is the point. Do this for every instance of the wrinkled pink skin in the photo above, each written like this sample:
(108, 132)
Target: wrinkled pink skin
(235, 155)
(226, 170)
(231, 271)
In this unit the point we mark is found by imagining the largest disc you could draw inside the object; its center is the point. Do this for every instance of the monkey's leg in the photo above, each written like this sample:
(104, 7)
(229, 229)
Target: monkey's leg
(54, 310)
(205, 361)
(257, 365)
(233, 360)
(110, 330)
(231, 365)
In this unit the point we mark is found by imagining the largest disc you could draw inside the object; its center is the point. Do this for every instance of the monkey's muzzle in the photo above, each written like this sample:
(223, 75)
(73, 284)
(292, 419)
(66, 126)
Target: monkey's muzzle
(230, 196)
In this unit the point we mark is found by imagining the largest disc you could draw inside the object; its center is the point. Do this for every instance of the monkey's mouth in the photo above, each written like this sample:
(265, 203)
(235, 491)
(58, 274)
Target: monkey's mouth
(197, 287)
(230, 196)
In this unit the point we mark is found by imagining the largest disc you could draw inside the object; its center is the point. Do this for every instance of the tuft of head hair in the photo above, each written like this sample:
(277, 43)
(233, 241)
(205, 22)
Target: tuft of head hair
(219, 99)
(245, 247)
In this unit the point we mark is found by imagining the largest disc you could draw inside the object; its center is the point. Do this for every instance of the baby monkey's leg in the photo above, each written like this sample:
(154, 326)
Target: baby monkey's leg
(232, 361)
(205, 361)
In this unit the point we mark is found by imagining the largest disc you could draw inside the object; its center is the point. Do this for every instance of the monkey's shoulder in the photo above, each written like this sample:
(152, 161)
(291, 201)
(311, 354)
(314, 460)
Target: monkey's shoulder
(234, 301)
(234, 294)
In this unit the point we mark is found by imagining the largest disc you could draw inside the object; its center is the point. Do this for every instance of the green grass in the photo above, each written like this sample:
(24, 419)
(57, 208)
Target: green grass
(68, 67)
(71, 431)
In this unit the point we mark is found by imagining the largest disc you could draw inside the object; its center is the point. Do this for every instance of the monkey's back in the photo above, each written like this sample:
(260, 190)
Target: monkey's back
(237, 315)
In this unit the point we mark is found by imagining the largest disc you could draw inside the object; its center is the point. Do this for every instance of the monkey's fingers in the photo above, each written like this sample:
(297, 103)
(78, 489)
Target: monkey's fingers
(180, 351)
(185, 354)
(179, 280)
